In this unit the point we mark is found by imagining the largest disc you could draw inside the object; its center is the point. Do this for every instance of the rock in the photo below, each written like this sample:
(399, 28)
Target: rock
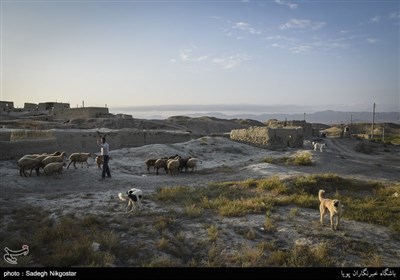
(95, 246)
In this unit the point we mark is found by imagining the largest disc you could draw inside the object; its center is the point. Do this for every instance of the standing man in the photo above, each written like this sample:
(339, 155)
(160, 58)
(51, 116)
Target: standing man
(105, 149)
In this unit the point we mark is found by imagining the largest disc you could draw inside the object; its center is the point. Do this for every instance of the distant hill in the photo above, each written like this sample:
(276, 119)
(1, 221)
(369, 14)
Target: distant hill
(326, 117)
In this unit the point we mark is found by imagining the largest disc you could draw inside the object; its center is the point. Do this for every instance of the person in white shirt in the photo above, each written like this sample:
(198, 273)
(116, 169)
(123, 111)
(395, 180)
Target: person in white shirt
(105, 149)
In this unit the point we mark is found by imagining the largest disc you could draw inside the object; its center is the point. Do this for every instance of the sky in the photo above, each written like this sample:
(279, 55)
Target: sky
(322, 54)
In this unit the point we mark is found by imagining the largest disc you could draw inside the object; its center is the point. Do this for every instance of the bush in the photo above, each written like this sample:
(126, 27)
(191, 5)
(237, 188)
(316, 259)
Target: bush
(301, 158)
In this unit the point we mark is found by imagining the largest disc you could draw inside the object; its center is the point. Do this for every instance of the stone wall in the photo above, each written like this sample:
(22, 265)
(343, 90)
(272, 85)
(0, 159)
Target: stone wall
(270, 138)
(17, 143)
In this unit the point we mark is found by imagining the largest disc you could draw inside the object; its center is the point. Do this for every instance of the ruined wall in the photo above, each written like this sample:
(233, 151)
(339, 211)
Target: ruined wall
(123, 116)
(257, 136)
(6, 106)
(125, 138)
(30, 107)
(86, 112)
(17, 143)
(48, 106)
(270, 138)
(292, 137)
(308, 131)
(16, 149)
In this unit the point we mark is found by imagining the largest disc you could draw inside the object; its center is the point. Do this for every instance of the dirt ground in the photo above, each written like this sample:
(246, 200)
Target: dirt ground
(80, 191)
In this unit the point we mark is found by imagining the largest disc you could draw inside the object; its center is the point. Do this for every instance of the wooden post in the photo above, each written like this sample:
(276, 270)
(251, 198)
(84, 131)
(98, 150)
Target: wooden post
(373, 122)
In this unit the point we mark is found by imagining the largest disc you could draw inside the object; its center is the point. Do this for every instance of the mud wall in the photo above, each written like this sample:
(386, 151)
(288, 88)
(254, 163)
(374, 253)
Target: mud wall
(16, 149)
(86, 112)
(14, 145)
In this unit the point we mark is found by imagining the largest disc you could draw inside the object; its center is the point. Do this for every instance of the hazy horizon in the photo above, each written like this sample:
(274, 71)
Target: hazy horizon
(344, 54)
(227, 110)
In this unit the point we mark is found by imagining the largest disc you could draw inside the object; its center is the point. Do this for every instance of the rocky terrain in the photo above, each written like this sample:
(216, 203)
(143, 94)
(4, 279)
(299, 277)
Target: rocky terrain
(174, 231)
(241, 206)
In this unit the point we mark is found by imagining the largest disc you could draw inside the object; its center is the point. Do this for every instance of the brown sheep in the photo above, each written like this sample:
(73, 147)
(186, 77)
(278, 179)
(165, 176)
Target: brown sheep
(150, 162)
(79, 157)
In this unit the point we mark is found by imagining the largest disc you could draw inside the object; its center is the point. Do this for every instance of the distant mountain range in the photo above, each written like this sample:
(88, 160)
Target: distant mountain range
(326, 117)
(262, 113)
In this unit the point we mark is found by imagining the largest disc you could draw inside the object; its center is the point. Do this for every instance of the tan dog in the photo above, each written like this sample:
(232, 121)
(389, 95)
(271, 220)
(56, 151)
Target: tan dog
(99, 161)
(333, 205)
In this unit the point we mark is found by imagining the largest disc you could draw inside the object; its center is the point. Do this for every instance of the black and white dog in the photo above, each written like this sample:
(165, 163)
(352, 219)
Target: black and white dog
(319, 146)
(134, 198)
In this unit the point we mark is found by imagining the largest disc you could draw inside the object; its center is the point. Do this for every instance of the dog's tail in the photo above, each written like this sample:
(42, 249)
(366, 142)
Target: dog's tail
(321, 195)
(122, 197)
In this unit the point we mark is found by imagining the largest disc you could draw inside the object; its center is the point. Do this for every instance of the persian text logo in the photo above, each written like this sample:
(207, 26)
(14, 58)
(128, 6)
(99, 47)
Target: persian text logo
(10, 255)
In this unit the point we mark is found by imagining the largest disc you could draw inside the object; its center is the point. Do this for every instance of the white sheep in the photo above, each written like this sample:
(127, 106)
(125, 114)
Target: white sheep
(192, 163)
(79, 157)
(173, 164)
(54, 167)
(28, 163)
(46, 154)
(161, 163)
(50, 159)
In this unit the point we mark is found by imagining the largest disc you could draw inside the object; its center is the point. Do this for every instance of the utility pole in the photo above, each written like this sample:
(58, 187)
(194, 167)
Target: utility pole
(304, 116)
(373, 122)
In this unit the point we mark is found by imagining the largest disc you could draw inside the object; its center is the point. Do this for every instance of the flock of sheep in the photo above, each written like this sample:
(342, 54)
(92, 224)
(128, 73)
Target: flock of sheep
(172, 163)
(54, 163)
(51, 163)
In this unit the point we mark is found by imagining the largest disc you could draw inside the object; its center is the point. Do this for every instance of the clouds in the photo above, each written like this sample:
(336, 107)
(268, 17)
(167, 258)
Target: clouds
(291, 6)
(244, 26)
(372, 40)
(392, 17)
(296, 35)
(186, 55)
(231, 61)
(302, 24)
(240, 29)
(375, 19)
(225, 61)
(219, 50)
(308, 46)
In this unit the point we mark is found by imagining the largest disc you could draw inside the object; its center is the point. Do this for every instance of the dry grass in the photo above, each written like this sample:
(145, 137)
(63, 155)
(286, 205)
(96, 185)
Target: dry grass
(293, 213)
(301, 256)
(212, 232)
(69, 239)
(269, 224)
(367, 201)
(303, 158)
(192, 234)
